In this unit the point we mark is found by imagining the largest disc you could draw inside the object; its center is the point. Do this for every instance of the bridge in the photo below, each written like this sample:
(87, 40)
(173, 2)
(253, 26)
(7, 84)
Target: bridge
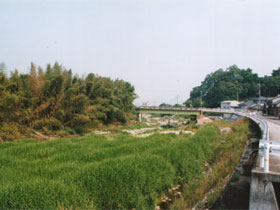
(265, 176)
(179, 111)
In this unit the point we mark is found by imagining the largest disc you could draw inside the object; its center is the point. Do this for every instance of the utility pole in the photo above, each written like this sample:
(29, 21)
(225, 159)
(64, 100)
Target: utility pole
(259, 105)
(177, 99)
(201, 103)
(201, 99)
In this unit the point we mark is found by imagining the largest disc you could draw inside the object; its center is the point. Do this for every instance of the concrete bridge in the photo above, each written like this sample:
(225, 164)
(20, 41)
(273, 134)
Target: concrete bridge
(179, 111)
(265, 178)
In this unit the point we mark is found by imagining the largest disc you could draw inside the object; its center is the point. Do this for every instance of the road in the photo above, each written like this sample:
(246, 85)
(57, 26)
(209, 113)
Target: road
(273, 126)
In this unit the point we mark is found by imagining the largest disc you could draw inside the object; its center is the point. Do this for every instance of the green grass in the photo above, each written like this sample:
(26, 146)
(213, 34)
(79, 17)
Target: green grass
(96, 171)
(223, 163)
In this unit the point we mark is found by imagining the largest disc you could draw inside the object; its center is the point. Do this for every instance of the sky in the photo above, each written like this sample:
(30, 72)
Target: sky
(163, 47)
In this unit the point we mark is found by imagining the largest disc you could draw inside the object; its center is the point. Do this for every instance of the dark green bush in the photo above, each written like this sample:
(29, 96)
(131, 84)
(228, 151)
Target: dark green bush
(8, 132)
(69, 130)
(79, 129)
(79, 120)
(49, 123)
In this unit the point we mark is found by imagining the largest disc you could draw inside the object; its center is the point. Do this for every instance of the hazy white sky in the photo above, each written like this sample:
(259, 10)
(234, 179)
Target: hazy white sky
(163, 47)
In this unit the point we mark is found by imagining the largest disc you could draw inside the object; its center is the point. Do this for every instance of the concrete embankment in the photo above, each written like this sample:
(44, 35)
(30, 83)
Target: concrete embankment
(265, 186)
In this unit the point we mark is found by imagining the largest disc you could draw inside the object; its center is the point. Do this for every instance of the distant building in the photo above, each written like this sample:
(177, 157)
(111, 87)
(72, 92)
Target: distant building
(146, 104)
(229, 104)
(273, 106)
(255, 104)
(261, 99)
(247, 105)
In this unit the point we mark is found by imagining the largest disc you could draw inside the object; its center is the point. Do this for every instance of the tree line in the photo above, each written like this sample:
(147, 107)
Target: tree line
(233, 83)
(55, 99)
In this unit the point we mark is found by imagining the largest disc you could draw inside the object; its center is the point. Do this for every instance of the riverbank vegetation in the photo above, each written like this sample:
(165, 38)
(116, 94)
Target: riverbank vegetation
(54, 101)
(111, 171)
(206, 188)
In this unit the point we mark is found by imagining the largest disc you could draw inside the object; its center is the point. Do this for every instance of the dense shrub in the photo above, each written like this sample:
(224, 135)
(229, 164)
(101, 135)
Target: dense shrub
(49, 123)
(8, 131)
(79, 120)
(69, 130)
(52, 98)
(79, 129)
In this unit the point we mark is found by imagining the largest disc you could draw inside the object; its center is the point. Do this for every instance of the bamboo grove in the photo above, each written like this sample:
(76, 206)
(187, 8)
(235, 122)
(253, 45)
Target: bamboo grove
(54, 99)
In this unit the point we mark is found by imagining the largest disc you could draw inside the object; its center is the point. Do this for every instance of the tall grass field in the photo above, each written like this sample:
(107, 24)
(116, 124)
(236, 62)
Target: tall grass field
(101, 172)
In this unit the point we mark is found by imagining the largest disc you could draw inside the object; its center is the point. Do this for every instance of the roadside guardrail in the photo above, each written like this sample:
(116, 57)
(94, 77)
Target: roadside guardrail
(265, 146)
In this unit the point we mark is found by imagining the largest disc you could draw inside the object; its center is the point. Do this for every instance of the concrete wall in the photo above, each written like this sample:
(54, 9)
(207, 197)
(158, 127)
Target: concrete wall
(262, 194)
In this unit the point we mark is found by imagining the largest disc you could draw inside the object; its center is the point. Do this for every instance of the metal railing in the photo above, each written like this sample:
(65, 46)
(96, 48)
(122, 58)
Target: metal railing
(264, 144)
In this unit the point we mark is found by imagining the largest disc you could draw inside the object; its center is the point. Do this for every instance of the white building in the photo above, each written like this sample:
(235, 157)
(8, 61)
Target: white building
(146, 104)
(229, 104)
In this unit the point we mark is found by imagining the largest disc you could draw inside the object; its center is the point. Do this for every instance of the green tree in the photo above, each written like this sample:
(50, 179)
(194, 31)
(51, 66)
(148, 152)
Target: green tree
(53, 98)
(230, 84)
